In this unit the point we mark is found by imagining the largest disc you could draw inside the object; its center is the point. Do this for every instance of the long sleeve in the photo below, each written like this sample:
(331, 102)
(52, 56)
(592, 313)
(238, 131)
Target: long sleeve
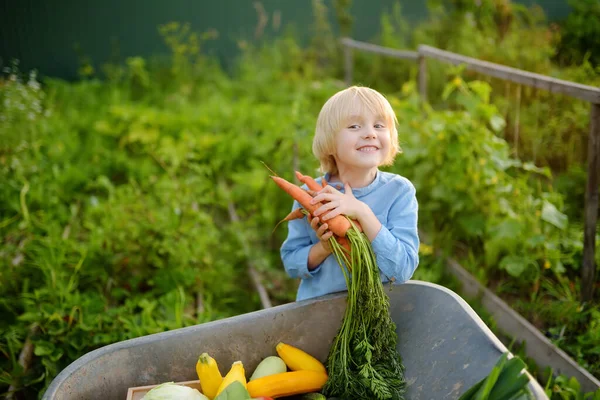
(396, 246)
(294, 250)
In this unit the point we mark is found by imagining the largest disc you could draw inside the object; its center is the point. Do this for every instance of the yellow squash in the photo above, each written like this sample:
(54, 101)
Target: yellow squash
(298, 360)
(287, 384)
(236, 373)
(209, 375)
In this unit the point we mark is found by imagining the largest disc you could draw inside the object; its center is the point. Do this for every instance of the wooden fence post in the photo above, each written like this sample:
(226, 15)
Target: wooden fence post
(423, 77)
(591, 206)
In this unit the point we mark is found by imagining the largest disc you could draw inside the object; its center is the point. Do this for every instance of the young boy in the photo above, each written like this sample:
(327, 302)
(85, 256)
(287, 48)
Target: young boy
(355, 134)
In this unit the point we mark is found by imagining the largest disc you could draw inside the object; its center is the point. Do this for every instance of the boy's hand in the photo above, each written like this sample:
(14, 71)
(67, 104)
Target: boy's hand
(322, 232)
(337, 203)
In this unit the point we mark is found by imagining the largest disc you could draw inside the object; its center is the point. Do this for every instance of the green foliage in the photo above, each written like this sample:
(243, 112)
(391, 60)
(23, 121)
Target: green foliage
(115, 204)
(384, 73)
(114, 211)
(344, 16)
(579, 34)
(539, 125)
(486, 196)
(473, 193)
(565, 388)
(363, 361)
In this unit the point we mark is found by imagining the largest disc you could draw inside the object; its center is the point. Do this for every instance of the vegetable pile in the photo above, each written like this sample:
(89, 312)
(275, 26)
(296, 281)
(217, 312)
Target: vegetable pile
(270, 380)
(363, 362)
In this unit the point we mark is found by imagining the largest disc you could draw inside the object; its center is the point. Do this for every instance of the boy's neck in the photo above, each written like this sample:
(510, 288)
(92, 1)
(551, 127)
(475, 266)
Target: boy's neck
(356, 178)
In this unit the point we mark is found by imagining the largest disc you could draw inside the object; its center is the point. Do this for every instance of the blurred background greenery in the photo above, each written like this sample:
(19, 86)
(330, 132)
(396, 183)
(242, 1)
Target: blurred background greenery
(128, 129)
(49, 37)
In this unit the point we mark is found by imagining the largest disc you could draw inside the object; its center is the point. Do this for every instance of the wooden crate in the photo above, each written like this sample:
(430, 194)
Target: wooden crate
(136, 393)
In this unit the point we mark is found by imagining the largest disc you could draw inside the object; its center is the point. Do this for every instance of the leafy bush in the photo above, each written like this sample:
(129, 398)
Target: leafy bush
(501, 214)
(579, 34)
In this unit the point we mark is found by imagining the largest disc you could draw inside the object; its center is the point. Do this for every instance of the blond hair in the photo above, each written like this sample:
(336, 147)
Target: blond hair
(334, 115)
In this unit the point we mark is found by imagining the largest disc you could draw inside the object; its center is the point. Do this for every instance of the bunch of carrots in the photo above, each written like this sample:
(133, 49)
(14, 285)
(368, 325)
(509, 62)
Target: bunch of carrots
(338, 225)
(363, 362)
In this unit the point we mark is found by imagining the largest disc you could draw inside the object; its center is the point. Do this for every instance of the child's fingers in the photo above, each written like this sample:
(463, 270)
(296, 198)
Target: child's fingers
(324, 197)
(322, 231)
(314, 223)
(326, 236)
(326, 207)
(331, 214)
(330, 189)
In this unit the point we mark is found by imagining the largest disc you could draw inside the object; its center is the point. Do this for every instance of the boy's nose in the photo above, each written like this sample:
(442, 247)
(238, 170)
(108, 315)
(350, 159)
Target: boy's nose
(369, 134)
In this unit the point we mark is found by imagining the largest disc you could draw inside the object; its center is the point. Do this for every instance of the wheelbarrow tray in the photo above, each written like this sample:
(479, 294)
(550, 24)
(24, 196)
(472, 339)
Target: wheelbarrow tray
(446, 348)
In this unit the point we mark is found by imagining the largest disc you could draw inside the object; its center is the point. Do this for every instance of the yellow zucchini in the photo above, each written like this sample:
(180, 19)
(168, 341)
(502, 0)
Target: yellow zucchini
(236, 373)
(298, 360)
(209, 375)
(287, 384)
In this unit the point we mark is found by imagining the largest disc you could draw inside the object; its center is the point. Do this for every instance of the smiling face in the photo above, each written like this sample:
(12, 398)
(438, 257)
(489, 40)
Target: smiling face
(363, 142)
(356, 131)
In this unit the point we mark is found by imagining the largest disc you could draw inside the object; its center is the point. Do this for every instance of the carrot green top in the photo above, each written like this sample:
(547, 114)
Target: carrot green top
(393, 200)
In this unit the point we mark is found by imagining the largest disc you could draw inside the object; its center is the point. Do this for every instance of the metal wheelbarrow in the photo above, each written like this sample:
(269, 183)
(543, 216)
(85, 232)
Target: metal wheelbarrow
(446, 348)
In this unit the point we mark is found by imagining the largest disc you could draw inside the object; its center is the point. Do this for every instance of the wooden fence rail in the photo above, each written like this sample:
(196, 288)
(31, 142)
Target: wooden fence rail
(577, 90)
(583, 92)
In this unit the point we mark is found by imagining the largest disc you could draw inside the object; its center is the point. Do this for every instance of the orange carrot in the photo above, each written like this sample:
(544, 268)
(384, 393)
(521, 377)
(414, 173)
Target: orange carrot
(297, 193)
(296, 214)
(339, 225)
(309, 181)
(314, 185)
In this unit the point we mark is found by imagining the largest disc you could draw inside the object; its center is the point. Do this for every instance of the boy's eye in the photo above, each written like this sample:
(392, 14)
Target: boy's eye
(353, 126)
(379, 126)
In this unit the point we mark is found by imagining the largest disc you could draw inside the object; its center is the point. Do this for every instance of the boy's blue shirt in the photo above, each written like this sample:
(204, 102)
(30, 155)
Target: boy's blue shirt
(393, 200)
